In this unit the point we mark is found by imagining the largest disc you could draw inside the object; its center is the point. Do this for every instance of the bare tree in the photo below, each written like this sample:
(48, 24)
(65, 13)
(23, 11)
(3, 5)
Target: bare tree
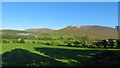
(117, 28)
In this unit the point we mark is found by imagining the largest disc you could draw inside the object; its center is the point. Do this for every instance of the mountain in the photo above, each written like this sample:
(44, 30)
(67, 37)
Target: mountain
(39, 30)
(95, 32)
(34, 30)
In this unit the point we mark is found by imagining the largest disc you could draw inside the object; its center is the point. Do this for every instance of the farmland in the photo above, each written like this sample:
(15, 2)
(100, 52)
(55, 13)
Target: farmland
(66, 47)
(37, 54)
(59, 34)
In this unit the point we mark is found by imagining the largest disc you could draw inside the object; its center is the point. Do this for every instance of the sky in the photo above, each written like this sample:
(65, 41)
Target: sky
(57, 15)
(60, 0)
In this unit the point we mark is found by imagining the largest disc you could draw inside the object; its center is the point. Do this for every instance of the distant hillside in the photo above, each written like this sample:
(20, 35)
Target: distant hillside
(11, 32)
(15, 34)
(34, 30)
(100, 32)
(39, 30)
(95, 32)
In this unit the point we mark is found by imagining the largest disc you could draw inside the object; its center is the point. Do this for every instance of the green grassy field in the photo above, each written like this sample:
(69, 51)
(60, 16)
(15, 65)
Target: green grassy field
(29, 54)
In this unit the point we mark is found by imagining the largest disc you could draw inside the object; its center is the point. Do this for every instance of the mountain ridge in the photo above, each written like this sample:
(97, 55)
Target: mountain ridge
(94, 31)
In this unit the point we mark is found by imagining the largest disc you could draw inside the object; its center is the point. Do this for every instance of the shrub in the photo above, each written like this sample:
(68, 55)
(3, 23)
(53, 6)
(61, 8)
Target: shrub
(54, 43)
(17, 41)
(21, 41)
(48, 43)
(0, 41)
(77, 42)
(68, 42)
(14, 41)
(33, 42)
(5, 41)
(91, 46)
(118, 43)
(38, 42)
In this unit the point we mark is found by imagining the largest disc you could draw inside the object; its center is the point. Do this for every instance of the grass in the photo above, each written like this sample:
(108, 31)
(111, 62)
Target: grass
(29, 54)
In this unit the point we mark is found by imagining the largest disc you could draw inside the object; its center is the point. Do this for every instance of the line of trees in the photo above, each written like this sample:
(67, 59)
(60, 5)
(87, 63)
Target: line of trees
(110, 43)
(14, 41)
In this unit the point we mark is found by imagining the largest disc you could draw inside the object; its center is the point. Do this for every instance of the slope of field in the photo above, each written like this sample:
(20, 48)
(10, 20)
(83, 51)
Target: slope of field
(39, 30)
(96, 32)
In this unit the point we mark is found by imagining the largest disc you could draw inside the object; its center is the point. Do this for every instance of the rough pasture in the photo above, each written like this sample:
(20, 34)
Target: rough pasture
(44, 55)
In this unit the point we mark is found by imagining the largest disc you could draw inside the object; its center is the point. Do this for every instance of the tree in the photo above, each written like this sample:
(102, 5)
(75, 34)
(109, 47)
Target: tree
(84, 41)
(76, 42)
(104, 43)
(61, 37)
(68, 42)
(33, 42)
(111, 43)
(22, 41)
(118, 43)
(117, 28)
(5, 41)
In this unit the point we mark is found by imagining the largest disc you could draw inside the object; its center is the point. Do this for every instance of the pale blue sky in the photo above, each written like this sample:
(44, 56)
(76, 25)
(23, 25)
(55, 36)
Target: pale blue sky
(56, 15)
(60, 0)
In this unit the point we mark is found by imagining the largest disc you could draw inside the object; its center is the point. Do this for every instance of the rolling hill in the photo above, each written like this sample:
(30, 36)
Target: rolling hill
(39, 30)
(28, 34)
(101, 32)
(11, 32)
(95, 32)
(34, 31)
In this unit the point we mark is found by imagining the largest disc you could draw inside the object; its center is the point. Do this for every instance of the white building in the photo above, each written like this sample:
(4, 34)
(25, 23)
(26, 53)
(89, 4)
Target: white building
(26, 34)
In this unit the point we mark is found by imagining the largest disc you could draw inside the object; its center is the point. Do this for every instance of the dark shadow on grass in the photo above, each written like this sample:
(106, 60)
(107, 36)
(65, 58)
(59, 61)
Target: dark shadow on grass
(106, 58)
(85, 58)
(81, 56)
(20, 57)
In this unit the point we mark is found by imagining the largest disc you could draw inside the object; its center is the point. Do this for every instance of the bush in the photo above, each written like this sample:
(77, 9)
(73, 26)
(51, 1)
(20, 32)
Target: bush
(54, 43)
(5, 41)
(76, 43)
(68, 42)
(118, 43)
(21, 41)
(48, 43)
(33, 42)
(38, 42)
(91, 46)
(0, 41)
(15, 41)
